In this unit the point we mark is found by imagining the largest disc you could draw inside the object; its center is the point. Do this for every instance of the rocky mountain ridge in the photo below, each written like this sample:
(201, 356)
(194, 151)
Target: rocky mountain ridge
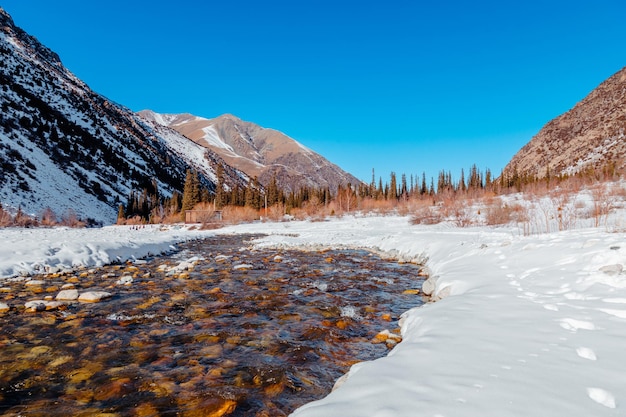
(64, 146)
(590, 135)
(259, 152)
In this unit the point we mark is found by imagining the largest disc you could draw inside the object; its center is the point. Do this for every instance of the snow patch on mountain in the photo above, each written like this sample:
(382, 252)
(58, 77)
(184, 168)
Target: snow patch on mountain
(213, 138)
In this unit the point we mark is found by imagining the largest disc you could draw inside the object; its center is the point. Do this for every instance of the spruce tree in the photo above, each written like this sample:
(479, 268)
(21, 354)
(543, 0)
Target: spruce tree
(393, 187)
(272, 191)
(220, 192)
(191, 191)
(120, 214)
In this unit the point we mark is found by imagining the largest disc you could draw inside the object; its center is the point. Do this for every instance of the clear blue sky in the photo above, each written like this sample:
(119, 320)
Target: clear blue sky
(404, 86)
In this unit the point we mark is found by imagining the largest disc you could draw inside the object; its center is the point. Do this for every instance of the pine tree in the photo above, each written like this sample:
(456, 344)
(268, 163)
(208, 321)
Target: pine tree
(462, 181)
(272, 191)
(220, 192)
(393, 187)
(191, 191)
(403, 188)
(120, 214)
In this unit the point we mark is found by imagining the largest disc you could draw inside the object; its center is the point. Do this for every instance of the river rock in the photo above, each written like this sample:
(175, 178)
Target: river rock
(3, 307)
(35, 305)
(125, 280)
(42, 305)
(94, 296)
(428, 287)
(34, 283)
(69, 295)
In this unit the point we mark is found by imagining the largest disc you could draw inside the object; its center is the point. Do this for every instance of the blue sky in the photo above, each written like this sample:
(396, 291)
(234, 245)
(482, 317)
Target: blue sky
(403, 86)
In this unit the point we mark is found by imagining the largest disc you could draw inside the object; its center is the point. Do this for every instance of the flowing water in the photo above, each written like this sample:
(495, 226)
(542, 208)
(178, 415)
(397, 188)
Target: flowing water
(216, 328)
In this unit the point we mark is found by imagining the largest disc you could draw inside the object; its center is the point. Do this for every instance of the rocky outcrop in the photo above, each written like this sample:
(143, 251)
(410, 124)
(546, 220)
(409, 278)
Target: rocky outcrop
(592, 134)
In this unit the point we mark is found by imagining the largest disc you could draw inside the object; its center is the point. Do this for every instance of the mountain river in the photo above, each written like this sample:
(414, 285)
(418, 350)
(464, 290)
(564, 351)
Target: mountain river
(215, 328)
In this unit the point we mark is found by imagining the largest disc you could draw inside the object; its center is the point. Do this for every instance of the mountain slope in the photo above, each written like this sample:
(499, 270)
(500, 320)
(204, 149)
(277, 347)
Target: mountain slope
(65, 147)
(258, 151)
(589, 135)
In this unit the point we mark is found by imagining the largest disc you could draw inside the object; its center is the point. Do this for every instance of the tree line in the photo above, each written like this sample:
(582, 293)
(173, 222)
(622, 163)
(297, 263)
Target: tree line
(149, 205)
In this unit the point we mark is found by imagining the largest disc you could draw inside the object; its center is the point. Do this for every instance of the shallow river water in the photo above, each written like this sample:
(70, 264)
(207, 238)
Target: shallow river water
(214, 329)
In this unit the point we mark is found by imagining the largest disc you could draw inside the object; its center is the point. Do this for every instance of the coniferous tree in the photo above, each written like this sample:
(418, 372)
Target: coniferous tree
(220, 192)
(393, 187)
(404, 191)
(462, 181)
(272, 191)
(191, 191)
(488, 179)
(120, 214)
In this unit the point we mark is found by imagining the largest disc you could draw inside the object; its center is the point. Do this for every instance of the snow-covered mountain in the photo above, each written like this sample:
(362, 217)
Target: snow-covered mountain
(592, 134)
(64, 146)
(257, 151)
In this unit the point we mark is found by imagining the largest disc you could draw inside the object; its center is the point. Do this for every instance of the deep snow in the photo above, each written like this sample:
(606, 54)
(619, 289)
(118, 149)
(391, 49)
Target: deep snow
(531, 325)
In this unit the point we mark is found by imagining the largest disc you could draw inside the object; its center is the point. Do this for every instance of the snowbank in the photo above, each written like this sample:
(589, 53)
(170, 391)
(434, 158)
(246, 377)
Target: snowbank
(39, 250)
(529, 325)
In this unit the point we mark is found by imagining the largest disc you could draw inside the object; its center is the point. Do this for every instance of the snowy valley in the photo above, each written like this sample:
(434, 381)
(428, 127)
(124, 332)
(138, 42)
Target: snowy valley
(520, 315)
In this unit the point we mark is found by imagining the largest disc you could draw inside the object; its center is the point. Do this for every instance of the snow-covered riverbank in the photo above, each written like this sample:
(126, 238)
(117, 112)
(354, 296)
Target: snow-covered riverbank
(530, 326)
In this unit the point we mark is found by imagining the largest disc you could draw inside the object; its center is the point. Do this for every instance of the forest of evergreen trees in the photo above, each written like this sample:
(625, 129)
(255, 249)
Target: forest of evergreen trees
(148, 205)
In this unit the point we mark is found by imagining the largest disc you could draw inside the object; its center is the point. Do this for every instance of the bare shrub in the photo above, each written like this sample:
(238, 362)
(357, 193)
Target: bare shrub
(427, 215)
(276, 212)
(47, 217)
(134, 221)
(463, 214)
(70, 219)
(604, 202)
(500, 213)
(205, 213)
(6, 219)
(158, 214)
(377, 206)
(232, 214)
(22, 219)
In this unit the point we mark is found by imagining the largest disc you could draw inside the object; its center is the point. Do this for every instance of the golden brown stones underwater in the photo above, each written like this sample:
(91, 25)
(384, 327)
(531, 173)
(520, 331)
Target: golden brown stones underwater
(216, 329)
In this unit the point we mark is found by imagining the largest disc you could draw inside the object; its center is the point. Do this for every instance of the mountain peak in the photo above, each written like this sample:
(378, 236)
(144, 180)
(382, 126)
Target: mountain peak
(29, 43)
(258, 151)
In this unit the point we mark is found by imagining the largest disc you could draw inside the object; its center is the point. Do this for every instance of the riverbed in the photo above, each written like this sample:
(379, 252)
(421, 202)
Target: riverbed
(213, 328)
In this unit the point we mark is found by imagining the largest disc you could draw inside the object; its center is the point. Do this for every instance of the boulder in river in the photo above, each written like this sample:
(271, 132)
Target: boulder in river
(94, 296)
(68, 295)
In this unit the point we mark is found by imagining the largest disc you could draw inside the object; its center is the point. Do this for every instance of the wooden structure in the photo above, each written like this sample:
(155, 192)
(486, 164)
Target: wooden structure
(203, 216)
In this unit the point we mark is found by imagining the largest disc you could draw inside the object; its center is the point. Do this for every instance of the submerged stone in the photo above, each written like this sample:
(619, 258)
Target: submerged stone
(94, 296)
(69, 295)
(125, 280)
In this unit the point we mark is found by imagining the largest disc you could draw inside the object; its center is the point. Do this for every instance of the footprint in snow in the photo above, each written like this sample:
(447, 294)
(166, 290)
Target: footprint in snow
(586, 353)
(574, 325)
(601, 397)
